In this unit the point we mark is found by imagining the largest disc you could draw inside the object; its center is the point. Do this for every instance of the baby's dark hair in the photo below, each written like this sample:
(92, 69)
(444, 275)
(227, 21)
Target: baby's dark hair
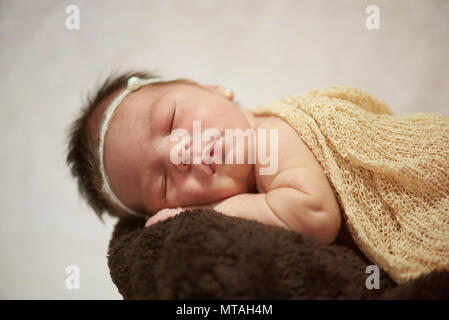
(82, 157)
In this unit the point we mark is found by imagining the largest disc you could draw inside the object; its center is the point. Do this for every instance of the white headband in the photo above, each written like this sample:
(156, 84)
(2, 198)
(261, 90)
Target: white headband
(134, 83)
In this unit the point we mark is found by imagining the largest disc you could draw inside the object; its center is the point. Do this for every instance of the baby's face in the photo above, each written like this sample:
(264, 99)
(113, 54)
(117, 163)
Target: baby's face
(138, 147)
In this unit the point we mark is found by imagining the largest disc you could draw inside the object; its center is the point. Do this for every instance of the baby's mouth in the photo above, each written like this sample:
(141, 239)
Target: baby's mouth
(217, 144)
(213, 165)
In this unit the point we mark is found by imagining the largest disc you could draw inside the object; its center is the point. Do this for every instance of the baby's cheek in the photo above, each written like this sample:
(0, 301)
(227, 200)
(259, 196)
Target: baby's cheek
(194, 195)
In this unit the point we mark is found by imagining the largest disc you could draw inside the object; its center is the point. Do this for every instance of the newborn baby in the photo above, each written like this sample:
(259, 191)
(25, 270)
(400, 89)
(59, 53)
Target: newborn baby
(143, 179)
(152, 148)
(296, 196)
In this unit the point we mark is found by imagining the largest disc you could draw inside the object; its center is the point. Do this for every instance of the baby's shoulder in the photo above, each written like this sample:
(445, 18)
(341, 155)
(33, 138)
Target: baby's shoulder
(289, 154)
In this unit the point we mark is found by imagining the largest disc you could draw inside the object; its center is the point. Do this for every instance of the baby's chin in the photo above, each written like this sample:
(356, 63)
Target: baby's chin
(237, 178)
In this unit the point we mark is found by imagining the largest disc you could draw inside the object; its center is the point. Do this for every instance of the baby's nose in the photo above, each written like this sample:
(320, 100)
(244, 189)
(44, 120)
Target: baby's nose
(186, 157)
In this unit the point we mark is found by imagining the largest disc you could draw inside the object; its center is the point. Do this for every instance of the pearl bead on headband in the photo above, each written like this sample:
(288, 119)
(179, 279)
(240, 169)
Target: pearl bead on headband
(134, 83)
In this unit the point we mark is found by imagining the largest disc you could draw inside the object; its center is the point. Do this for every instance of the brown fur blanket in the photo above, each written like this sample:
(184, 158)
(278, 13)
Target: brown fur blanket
(203, 254)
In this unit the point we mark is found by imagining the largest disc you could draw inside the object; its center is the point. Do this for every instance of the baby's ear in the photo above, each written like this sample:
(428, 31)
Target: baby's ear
(224, 92)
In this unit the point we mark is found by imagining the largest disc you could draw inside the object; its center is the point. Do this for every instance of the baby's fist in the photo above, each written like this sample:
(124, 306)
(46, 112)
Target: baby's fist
(162, 215)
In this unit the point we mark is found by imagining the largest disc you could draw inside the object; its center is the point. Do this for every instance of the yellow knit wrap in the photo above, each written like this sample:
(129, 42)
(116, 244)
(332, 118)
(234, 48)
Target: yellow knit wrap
(390, 173)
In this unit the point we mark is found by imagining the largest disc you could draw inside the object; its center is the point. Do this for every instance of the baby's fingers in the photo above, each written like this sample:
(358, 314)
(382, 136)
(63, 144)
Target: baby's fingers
(162, 215)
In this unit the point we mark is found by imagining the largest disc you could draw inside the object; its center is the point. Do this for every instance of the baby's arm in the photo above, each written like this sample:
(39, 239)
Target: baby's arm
(284, 207)
(288, 208)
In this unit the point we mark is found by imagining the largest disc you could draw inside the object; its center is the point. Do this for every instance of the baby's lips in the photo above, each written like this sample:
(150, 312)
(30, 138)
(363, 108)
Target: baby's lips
(210, 153)
(162, 215)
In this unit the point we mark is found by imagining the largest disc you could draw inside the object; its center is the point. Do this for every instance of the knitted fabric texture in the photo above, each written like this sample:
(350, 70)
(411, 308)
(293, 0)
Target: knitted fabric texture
(390, 173)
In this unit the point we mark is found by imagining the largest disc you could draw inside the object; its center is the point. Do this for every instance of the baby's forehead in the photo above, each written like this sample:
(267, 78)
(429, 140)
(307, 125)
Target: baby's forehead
(95, 119)
(153, 92)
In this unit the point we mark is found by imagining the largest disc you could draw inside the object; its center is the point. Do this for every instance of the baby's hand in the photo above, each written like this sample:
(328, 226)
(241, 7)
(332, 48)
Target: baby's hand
(162, 215)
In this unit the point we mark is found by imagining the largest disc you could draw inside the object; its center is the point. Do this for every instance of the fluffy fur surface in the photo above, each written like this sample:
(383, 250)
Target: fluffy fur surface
(203, 254)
